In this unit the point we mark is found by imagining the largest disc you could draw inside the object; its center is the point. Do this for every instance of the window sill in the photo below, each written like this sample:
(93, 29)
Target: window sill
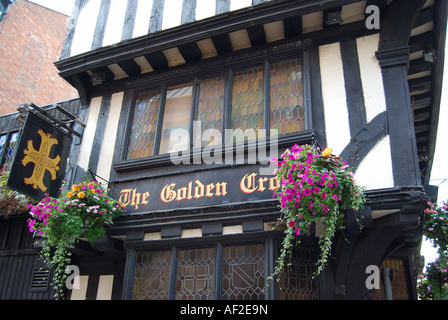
(284, 141)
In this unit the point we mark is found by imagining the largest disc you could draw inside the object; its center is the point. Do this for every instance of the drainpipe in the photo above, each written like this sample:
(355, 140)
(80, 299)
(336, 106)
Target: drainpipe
(387, 285)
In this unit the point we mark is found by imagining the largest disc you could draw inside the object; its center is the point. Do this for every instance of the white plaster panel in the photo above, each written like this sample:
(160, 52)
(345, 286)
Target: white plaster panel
(115, 20)
(142, 17)
(89, 133)
(375, 170)
(334, 98)
(172, 13)
(85, 27)
(110, 135)
(371, 76)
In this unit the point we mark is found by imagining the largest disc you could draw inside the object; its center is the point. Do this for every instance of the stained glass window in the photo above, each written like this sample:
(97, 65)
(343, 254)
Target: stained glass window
(10, 149)
(284, 81)
(152, 274)
(243, 272)
(2, 143)
(176, 119)
(195, 274)
(286, 92)
(141, 139)
(247, 99)
(210, 105)
(296, 283)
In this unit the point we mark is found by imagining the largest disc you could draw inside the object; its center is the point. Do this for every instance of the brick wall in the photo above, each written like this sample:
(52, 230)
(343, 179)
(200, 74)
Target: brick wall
(31, 38)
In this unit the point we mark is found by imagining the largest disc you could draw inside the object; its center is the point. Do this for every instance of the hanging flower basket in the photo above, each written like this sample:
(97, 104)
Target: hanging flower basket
(316, 187)
(82, 212)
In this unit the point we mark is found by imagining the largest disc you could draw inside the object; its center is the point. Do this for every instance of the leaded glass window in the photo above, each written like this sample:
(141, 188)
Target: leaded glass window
(230, 100)
(287, 109)
(176, 119)
(247, 99)
(2, 143)
(152, 274)
(143, 130)
(243, 272)
(296, 282)
(10, 149)
(196, 274)
(210, 108)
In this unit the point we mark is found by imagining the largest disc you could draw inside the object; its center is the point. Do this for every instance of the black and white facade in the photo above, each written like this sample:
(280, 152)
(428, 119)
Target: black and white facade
(317, 72)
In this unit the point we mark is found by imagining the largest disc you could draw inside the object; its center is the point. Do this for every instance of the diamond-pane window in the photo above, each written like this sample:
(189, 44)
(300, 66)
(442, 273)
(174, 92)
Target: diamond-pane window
(210, 107)
(296, 282)
(243, 272)
(247, 99)
(152, 274)
(287, 109)
(196, 274)
(141, 139)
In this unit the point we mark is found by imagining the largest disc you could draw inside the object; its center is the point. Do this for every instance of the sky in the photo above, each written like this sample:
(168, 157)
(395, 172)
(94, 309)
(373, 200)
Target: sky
(439, 172)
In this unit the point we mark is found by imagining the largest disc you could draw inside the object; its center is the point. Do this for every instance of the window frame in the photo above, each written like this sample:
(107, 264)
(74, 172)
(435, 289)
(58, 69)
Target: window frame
(270, 243)
(203, 70)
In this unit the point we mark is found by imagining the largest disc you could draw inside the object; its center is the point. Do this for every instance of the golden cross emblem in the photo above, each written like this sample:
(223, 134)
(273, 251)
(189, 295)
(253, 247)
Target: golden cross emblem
(42, 161)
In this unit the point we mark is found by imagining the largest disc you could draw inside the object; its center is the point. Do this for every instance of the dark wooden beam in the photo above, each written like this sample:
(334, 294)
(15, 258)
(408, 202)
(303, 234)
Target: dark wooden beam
(190, 52)
(222, 43)
(157, 60)
(420, 84)
(130, 67)
(419, 65)
(257, 36)
(292, 26)
(421, 42)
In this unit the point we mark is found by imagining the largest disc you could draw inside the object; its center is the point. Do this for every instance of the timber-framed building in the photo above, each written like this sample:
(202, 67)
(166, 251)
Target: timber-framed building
(361, 77)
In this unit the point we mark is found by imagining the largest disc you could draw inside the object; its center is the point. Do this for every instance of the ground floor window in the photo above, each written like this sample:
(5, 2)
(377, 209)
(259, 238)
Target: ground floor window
(236, 272)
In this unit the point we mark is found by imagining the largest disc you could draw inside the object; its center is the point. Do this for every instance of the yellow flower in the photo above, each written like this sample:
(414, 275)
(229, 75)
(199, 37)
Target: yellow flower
(326, 152)
(75, 187)
(81, 195)
(91, 184)
(69, 194)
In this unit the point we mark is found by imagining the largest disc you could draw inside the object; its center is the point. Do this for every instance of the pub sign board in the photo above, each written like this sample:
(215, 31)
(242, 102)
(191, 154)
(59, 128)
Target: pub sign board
(41, 157)
(196, 189)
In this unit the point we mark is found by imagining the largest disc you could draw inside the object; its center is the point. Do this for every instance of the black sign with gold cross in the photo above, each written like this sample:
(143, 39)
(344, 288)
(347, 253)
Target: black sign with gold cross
(41, 157)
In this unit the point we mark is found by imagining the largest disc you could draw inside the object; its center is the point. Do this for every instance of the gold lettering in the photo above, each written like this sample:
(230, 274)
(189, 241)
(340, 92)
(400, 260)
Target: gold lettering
(261, 182)
(135, 198)
(167, 194)
(221, 189)
(181, 194)
(125, 197)
(199, 190)
(208, 189)
(247, 184)
(144, 197)
(273, 183)
(189, 196)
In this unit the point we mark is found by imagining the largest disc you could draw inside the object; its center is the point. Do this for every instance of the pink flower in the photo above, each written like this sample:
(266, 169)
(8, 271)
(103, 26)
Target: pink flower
(307, 192)
(310, 206)
(335, 197)
(297, 231)
(324, 195)
(326, 209)
(291, 223)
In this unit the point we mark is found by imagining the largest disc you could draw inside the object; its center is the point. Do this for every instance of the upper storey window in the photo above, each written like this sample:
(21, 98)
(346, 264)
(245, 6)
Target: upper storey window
(268, 96)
